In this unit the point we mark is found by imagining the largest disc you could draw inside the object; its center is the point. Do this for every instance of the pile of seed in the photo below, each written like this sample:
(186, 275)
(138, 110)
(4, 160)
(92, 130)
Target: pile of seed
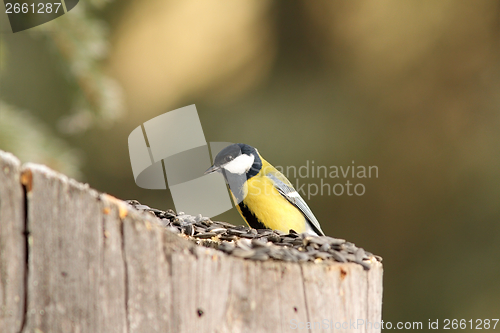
(259, 244)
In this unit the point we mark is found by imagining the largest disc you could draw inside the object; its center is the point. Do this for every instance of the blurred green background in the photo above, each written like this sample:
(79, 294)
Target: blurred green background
(412, 87)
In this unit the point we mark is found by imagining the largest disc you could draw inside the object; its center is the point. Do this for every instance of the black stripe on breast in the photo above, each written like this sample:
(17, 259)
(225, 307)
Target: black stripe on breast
(256, 167)
(251, 219)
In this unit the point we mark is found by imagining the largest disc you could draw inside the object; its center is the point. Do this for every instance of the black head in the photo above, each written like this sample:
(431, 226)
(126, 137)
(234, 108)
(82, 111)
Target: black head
(237, 158)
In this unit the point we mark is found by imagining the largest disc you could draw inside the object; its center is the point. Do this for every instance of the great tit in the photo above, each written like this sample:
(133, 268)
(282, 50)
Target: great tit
(262, 194)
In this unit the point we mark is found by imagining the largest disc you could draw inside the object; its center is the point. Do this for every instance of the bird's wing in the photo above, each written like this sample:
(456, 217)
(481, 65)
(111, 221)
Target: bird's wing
(286, 189)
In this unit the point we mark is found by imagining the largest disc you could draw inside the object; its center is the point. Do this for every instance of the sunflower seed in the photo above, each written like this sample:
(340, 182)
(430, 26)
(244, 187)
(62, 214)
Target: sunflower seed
(189, 230)
(248, 235)
(263, 239)
(335, 241)
(243, 253)
(228, 237)
(217, 230)
(259, 256)
(312, 253)
(274, 238)
(288, 240)
(244, 244)
(365, 264)
(323, 255)
(235, 232)
(259, 244)
(276, 255)
(207, 222)
(227, 247)
(338, 256)
(325, 247)
(360, 254)
(350, 257)
(199, 229)
(225, 224)
(264, 249)
(301, 256)
(206, 235)
(318, 240)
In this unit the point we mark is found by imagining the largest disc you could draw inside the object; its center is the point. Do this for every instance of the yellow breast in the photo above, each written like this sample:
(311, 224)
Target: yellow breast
(269, 206)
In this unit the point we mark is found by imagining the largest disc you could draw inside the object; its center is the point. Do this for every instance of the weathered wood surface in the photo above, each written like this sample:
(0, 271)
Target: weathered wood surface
(12, 245)
(97, 265)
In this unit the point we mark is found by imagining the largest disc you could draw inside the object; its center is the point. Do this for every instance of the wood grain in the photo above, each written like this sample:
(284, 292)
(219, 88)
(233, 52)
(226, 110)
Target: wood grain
(12, 245)
(96, 264)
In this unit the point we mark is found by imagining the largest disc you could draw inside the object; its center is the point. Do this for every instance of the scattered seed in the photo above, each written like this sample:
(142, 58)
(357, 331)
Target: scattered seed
(259, 244)
(366, 265)
(288, 240)
(263, 240)
(227, 247)
(259, 256)
(228, 238)
(324, 247)
(274, 238)
(323, 255)
(217, 230)
(189, 230)
(243, 253)
(225, 224)
(236, 232)
(336, 241)
(338, 256)
(248, 235)
(360, 254)
(204, 235)
(198, 229)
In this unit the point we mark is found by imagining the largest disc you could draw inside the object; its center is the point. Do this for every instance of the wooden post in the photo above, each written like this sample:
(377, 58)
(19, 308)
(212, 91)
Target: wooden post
(12, 245)
(90, 263)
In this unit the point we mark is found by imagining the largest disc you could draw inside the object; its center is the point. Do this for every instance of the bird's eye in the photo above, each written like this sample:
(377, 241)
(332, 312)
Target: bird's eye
(230, 158)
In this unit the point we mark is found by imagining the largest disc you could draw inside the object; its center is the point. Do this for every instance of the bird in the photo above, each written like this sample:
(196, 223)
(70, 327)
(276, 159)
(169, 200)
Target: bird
(263, 196)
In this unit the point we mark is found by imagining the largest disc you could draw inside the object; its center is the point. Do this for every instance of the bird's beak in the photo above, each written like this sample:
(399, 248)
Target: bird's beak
(213, 168)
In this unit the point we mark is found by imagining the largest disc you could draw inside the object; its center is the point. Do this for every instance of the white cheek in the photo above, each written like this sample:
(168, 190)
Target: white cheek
(240, 164)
